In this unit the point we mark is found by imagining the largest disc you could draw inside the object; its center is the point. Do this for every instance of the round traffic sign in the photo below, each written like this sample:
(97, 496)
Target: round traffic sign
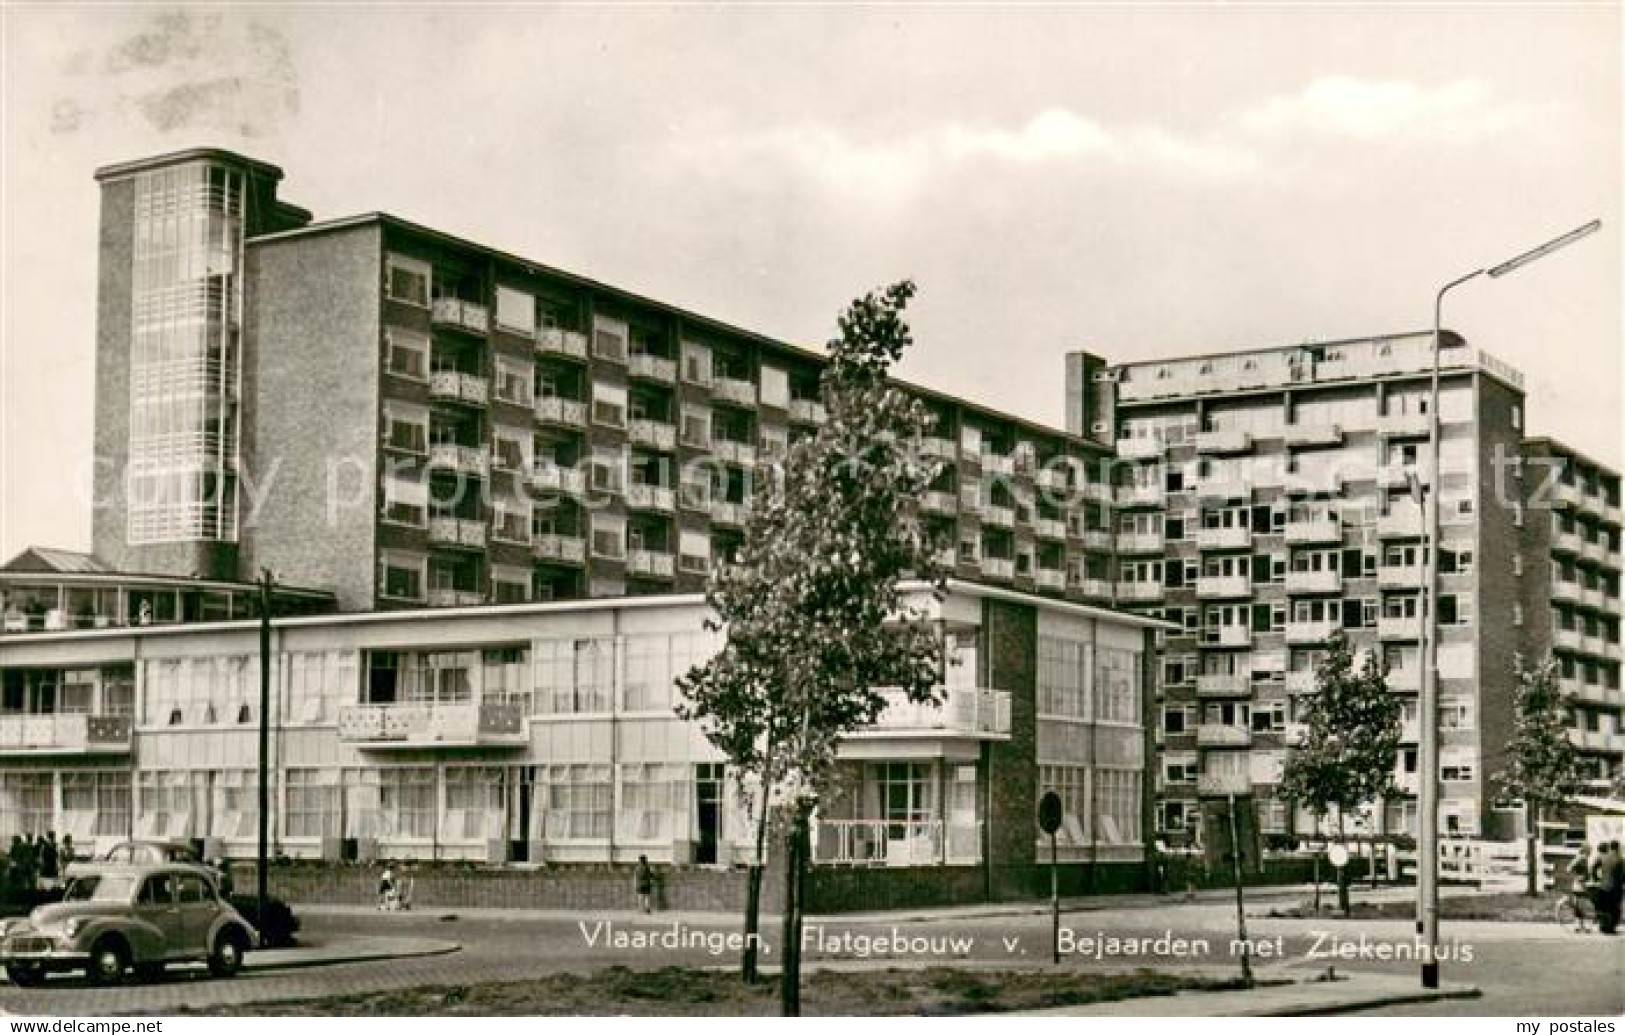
(1338, 856)
(1049, 812)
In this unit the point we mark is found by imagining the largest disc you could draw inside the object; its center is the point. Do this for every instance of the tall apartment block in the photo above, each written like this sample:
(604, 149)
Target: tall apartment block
(456, 425)
(1264, 502)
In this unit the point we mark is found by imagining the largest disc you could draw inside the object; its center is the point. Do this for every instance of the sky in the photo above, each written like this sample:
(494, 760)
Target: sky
(1139, 181)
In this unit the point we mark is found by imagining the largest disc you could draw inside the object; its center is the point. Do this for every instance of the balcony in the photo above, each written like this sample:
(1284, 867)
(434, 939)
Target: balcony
(1001, 464)
(1399, 627)
(449, 456)
(1313, 435)
(1234, 538)
(385, 726)
(1303, 582)
(1095, 589)
(640, 496)
(1300, 681)
(938, 448)
(1405, 680)
(64, 734)
(1225, 440)
(1139, 542)
(1568, 639)
(1139, 495)
(1313, 530)
(733, 452)
(453, 386)
(554, 341)
(724, 513)
(1139, 592)
(1052, 479)
(553, 478)
(1227, 636)
(1595, 740)
(1222, 784)
(651, 564)
(999, 517)
(733, 390)
(965, 712)
(1053, 579)
(999, 567)
(1566, 592)
(1218, 587)
(650, 367)
(567, 413)
(1310, 632)
(653, 434)
(455, 598)
(1405, 523)
(1594, 550)
(562, 549)
(464, 316)
(1100, 539)
(1050, 528)
(1400, 576)
(1403, 424)
(1221, 489)
(1571, 543)
(1098, 492)
(1145, 447)
(1566, 495)
(463, 533)
(1227, 684)
(811, 411)
(1212, 734)
(935, 501)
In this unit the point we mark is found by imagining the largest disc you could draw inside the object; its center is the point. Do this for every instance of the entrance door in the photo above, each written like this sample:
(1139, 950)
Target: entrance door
(708, 805)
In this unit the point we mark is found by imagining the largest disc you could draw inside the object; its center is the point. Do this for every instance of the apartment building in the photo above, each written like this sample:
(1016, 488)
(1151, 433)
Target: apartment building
(1265, 500)
(407, 418)
(545, 732)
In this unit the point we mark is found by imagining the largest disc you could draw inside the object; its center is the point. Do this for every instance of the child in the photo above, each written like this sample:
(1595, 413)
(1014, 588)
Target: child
(645, 879)
(387, 899)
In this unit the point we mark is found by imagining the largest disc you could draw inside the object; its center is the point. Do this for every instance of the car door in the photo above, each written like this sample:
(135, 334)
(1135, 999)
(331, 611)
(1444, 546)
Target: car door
(157, 908)
(198, 907)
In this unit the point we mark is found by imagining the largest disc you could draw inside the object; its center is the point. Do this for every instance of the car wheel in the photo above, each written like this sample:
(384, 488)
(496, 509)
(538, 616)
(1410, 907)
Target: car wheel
(25, 975)
(226, 959)
(109, 959)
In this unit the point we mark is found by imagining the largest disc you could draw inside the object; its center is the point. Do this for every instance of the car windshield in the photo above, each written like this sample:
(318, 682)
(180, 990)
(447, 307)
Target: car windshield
(99, 888)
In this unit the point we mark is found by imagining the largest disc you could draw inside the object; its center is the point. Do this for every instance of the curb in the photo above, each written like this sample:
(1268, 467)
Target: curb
(1391, 999)
(419, 947)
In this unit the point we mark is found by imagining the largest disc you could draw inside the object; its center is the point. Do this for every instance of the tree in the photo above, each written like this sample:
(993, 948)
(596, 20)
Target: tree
(814, 605)
(1542, 765)
(1351, 730)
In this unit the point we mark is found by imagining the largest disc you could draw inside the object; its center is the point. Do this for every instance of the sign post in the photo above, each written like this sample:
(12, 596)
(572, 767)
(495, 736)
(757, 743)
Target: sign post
(1241, 906)
(1049, 821)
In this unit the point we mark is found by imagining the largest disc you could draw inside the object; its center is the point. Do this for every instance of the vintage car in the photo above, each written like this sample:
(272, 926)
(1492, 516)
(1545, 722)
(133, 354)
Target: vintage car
(115, 917)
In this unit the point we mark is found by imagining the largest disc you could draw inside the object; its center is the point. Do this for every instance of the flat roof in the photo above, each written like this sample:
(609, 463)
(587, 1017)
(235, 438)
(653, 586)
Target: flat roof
(119, 170)
(1450, 340)
(1557, 446)
(711, 323)
(178, 582)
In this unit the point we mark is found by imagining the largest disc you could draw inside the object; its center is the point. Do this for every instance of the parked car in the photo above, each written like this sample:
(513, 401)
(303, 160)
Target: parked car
(151, 852)
(115, 917)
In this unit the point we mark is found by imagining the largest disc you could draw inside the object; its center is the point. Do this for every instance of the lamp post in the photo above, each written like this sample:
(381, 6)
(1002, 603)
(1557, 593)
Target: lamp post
(1427, 841)
(262, 861)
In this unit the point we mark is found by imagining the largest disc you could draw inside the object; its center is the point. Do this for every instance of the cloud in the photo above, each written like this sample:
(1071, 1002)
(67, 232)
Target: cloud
(1341, 106)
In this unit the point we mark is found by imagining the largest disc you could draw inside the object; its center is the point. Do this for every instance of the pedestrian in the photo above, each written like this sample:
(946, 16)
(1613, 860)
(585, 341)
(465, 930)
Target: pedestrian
(387, 899)
(1611, 890)
(67, 851)
(1579, 870)
(645, 881)
(49, 861)
(222, 870)
(23, 869)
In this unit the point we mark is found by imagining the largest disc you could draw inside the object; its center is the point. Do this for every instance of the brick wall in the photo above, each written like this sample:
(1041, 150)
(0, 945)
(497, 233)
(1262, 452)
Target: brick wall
(1012, 770)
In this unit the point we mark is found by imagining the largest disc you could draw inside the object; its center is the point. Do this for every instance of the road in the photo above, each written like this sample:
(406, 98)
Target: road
(1525, 970)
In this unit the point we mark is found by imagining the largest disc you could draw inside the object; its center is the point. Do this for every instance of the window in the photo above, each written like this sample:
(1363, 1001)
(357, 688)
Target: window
(608, 405)
(406, 802)
(401, 576)
(514, 381)
(406, 502)
(608, 536)
(1061, 677)
(1117, 685)
(1456, 770)
(654, 800)
(579, 802)
(516, 310)
(609, 338)
(575, 676)
(407, 280)
(408, 353)
(406, 428)
(1180, 769)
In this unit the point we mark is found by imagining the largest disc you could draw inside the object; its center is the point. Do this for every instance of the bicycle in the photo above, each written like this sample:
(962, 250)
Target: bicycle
(1574, 909)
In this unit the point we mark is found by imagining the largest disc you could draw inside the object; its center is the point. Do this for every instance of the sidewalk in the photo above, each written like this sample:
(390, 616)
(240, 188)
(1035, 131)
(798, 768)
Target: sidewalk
(1303, 999)
(345, 950)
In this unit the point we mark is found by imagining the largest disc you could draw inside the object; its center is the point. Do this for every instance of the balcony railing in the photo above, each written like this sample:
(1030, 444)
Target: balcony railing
(965, 712)
(724, 513)
(64, 734)
(1227, 684)
(935, 501)
(468, 316)
(1097, 589)
(1049, 528)
(1224, 440)
(455, 598)
(460, 532)
(654, 434)
(651, 563)
(568, 413)
(461, 459)
(1220, 784)
(553, 341)
(1300, 681)
(1143, 448)
(1405, 680)
(808, 411)
(730, 389)
(999, 567)
(553, 547)
(1139, 592)
(1400, 524)
(998, 463)
(1313, 434)
(1403, 424)
(1314, 581)
(1001, 517)
(1400, 576)
(1228, 636)
(940, 448)
(1214, 587)
(650, 497)
(1565, 494)
(554, 478)
(1314, 530)
(1051, 579)
(1101, 539)
(1210, 734)
(1233, 538)
(1139, 495)
(878, 842)
(1568, 592)
(1223, 489)
(454, 386)
(1399, 627)
(1310, 632)
(432, 725)
(651, 367)
(733, 452)
(1139, 542)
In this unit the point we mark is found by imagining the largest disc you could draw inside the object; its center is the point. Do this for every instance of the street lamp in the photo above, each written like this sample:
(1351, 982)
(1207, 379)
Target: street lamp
(1427, 841)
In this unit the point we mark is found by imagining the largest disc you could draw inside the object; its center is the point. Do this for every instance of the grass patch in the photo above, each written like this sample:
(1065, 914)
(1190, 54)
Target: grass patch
(682, 991)
(1509, 907)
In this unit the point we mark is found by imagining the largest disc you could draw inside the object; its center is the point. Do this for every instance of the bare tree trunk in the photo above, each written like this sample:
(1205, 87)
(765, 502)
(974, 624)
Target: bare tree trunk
(753, 890)
(1342, 871)
(795, 868)
(1532, 837)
